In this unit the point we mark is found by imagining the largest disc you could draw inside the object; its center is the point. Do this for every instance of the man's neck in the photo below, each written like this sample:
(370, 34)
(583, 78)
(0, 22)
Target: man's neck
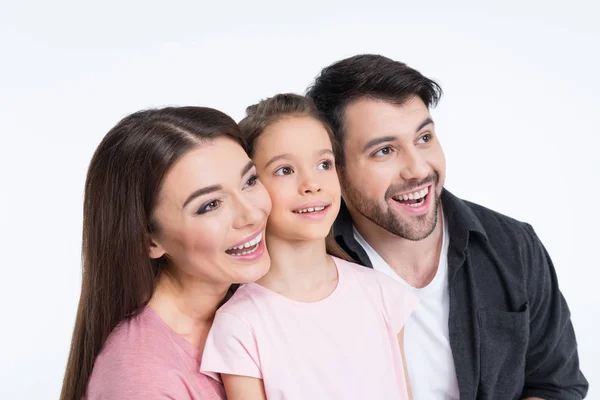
(416, 262)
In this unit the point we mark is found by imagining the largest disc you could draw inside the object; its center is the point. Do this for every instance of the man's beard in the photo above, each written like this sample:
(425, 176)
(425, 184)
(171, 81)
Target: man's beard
(417, 228)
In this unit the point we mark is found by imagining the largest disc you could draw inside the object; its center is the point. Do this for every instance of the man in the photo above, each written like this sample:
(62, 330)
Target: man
(492, 323)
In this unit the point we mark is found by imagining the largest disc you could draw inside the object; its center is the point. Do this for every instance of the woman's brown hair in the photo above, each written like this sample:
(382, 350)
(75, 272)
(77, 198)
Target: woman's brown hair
(122, 184)
(260, 116)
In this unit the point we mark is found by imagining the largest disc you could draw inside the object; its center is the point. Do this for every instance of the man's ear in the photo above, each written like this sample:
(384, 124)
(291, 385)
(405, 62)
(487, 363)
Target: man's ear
(339, 169)
(155, 249)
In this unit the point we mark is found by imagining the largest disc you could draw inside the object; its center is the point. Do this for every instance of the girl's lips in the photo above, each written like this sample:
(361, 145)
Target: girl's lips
(315, 215)
(313, 205)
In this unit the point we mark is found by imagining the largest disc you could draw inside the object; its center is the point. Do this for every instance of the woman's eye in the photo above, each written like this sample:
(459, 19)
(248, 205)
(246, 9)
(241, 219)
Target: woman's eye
(326, 165)
(284, 171)
(210, 206)
(251, 181)
(383, 151)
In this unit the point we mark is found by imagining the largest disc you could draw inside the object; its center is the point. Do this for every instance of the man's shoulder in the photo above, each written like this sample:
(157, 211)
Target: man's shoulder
(493, 224)
(511, 247)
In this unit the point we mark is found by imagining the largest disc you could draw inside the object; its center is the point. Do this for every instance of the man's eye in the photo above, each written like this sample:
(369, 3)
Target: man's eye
(383, 151)
(425, 138)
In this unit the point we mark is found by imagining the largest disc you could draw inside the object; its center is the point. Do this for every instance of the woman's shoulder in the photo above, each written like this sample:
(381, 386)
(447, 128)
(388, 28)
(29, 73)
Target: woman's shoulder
(137, 342)
(137, 353)
(137, 336)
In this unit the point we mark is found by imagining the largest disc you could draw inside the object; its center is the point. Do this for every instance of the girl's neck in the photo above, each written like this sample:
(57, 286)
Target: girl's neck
(300, 270)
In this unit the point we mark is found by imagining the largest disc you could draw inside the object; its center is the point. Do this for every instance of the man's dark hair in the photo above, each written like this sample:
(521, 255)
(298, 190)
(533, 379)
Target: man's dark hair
(367, 75)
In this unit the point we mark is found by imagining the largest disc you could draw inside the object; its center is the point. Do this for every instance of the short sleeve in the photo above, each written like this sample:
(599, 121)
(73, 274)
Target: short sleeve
(115, 379)
(398, 301)
(230, 348)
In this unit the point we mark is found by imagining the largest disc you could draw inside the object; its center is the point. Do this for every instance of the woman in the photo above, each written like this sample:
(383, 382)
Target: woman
(173, 216)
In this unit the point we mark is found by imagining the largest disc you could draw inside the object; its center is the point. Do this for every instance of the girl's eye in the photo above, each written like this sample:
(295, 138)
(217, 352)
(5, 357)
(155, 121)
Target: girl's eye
(253, 180)
(208, 207)
(383, 151)
(284, 171)
(326, 165)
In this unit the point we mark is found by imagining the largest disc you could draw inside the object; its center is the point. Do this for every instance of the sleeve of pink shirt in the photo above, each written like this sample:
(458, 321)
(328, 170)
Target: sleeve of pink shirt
(119, 380)
(398, 301)
(231, 348)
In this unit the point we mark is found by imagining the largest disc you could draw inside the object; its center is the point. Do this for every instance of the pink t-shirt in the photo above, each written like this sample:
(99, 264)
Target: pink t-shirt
(343, 347)
(144, 358)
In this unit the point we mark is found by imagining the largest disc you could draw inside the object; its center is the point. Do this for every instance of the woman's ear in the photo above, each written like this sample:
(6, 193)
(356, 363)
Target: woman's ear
(155, 249)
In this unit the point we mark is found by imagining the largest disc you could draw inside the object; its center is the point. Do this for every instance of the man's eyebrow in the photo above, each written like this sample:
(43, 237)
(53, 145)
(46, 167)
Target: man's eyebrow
(378, 140)
(384, 139)
(426, 122)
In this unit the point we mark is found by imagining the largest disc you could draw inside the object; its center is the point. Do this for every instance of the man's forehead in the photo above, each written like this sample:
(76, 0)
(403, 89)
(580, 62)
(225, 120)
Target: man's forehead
(366, 117)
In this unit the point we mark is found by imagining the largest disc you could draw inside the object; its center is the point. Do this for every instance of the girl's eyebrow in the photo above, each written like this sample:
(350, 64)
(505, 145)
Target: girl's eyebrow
(325, 151)
(277, 158)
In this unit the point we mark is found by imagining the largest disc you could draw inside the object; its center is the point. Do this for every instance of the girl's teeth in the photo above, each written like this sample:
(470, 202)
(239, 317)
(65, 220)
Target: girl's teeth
(310, 209)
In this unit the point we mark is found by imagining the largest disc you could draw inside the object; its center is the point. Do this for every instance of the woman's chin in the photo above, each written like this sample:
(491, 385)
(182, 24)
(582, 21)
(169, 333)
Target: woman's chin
(251, 271)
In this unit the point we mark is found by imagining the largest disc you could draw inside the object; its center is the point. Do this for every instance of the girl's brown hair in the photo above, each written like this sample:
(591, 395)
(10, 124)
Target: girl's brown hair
(260, 116)
(122, 184)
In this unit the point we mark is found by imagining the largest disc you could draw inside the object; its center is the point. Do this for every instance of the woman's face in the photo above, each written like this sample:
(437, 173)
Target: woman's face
(210, 215)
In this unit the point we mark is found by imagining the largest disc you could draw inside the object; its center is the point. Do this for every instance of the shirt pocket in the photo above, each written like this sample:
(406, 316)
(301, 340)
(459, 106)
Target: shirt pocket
(504, 337)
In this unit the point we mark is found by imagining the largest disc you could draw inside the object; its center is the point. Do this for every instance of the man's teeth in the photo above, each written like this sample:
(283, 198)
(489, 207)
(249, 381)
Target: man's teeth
(413, 196)
(310, 209)
(248, 244)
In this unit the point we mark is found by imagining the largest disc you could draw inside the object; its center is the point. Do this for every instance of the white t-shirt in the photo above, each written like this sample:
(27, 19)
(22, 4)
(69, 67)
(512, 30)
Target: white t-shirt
(426, 340)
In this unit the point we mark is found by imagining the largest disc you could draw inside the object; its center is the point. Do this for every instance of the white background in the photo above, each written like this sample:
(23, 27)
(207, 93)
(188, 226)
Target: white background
(518, 122)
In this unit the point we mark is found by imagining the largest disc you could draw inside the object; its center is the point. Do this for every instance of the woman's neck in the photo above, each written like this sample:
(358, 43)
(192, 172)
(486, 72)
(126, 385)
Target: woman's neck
(301, 270)
(187, 304)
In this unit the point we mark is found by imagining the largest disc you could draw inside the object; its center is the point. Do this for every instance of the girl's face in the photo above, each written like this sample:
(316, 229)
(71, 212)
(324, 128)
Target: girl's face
(210, 215)
(294, 159)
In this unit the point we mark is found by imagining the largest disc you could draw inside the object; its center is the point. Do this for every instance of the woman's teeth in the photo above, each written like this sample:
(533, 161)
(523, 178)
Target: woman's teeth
(310, 209)
(251, 245)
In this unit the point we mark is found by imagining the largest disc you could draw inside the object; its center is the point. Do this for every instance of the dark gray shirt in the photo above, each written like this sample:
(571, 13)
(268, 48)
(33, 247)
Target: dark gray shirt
(510, 329)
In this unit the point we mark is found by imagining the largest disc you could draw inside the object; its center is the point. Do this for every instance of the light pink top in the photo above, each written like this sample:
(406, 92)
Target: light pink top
(343, 347)
(144, 358)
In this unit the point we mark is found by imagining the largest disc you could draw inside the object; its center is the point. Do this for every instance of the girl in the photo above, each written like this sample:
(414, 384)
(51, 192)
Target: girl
(170, 197)
(315, 326)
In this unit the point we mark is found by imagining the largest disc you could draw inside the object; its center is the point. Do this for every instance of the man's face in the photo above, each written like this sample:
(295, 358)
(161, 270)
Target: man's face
(394, 166)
